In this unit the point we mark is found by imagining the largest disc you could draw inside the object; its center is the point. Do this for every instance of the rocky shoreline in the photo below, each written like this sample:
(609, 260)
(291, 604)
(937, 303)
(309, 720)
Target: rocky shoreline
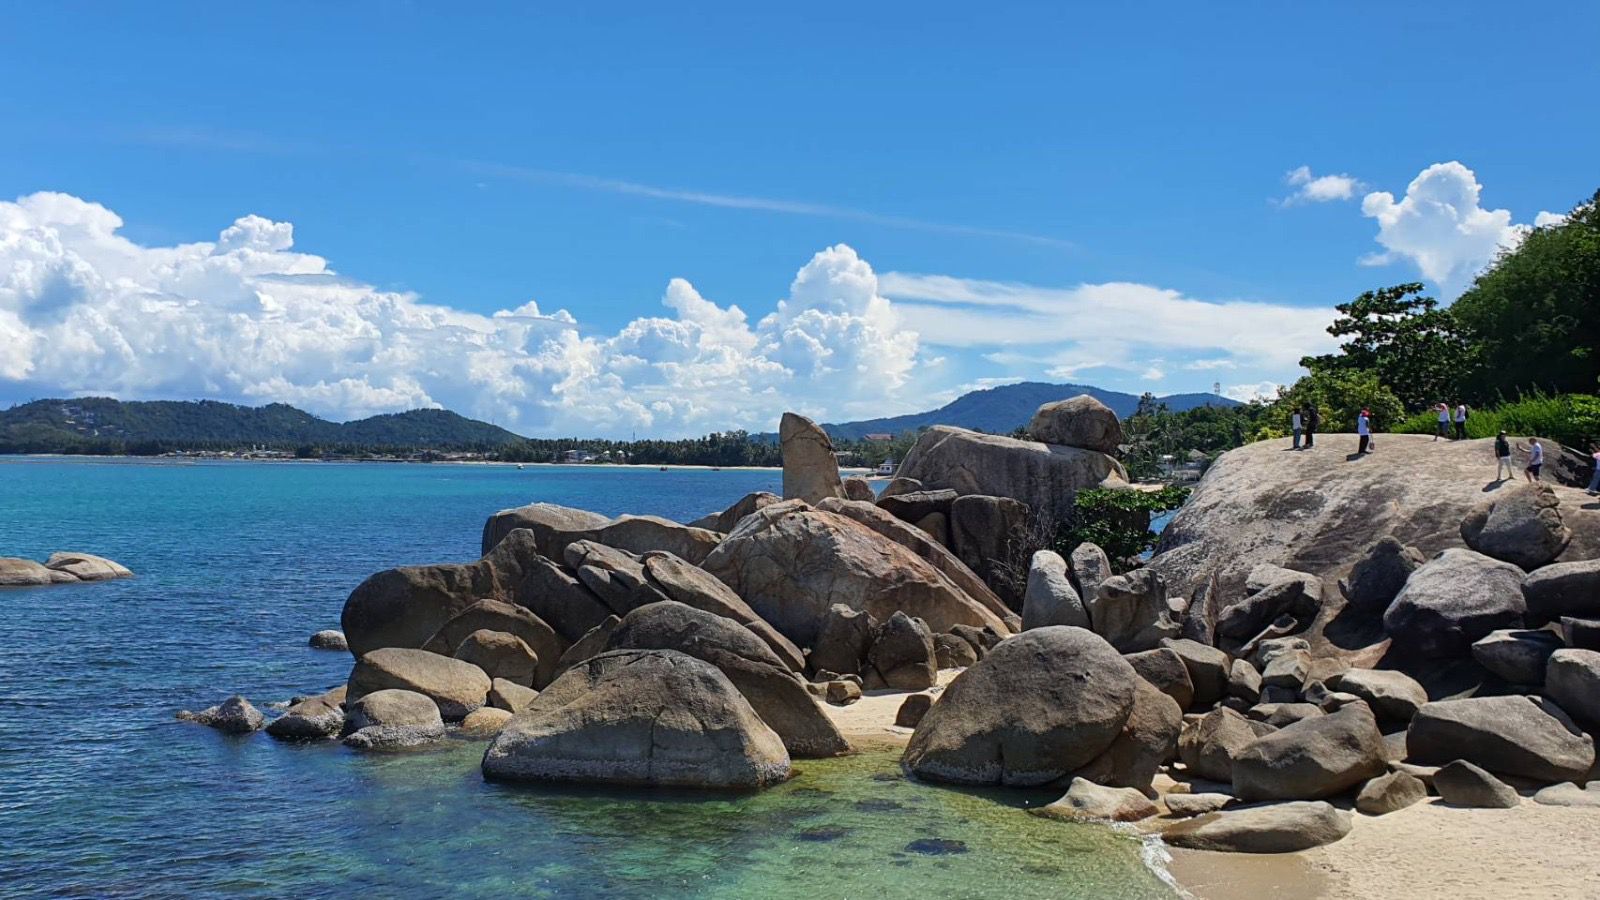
(1319, 641)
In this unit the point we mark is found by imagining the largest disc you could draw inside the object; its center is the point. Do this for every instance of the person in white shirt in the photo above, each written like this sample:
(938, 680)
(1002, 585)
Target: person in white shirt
(1444, 421)
(1294, 422)
(1364, 430)
(1461, 422)
(1535, 460)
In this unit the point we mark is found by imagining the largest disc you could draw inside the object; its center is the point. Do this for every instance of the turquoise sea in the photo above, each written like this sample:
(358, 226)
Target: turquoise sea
(103, 794)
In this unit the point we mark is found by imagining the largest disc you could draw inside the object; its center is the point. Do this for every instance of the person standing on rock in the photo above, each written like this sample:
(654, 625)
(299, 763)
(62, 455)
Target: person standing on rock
(1535, 460)
(1502, 455)
(1461, 421)
(1295, 423)
(1443, 409)
(1364, 431)
(1313, 421)
(1594, 480)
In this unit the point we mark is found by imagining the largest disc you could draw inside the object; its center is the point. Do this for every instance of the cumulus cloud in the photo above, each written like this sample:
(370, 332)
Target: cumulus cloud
(1309, 188)
(1441, 227)
(1115, 325)
(247, 318)
(1244, 393)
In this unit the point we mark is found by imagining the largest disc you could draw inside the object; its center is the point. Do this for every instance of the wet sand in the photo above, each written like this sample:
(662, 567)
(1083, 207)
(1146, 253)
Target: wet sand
(1424, 852)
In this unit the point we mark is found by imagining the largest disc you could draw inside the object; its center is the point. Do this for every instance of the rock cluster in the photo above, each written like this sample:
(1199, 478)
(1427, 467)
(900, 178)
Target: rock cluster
(60, 568)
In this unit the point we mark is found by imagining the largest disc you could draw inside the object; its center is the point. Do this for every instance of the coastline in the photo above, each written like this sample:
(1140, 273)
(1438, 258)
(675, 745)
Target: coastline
(190, 460)
(1428, 851)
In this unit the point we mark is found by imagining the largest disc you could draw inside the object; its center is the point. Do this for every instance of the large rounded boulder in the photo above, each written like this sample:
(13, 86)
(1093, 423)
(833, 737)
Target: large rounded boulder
(791, 563)
(457, 687)
(508, 618)
(1037, 708)
(1526, 737)
(776, 694)
(1046, 477)
(1319, 511)
(1312, 759)
(655, 718)
(1080, 421)
(1456, 598)
(1521, 525)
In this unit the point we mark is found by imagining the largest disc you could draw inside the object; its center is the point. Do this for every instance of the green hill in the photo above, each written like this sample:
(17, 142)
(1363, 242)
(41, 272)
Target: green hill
(103, 425)
(1000, 410)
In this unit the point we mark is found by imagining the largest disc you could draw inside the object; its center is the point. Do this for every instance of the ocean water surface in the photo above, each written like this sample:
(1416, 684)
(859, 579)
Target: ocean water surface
(104, 794)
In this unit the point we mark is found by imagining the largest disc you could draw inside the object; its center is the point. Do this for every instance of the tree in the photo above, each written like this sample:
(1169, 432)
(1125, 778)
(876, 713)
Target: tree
(1340, 396)
(1416, 349)
(1536, 310)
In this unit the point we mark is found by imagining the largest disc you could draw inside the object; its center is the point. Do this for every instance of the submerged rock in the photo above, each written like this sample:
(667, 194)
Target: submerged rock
(392, 719)
(313, 719)
(456, 687)
(328, 639)
(234, 715)
(1085, 800)
(640, 717)
(87, 566)
(15, 572)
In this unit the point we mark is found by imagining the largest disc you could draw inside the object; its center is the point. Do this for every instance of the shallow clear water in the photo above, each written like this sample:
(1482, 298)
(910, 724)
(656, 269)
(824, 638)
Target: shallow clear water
(102, 793)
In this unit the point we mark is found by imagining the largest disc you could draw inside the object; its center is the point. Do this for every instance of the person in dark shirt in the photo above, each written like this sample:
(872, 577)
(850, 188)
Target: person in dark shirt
(1502, 454)
(1313, 421)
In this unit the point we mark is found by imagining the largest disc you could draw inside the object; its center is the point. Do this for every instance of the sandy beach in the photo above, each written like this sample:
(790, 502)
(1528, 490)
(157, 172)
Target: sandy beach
(1429, 851)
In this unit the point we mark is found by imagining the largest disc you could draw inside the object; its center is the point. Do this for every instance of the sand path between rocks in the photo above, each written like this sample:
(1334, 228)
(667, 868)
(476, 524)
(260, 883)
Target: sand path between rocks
(1429, 851)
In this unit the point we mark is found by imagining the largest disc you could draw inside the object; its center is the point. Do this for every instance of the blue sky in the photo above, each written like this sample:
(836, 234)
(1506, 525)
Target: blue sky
(939, 196)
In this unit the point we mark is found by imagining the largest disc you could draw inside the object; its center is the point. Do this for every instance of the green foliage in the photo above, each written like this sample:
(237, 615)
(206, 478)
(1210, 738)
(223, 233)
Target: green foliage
(1536, 311)
(1339, 396)
(1153, 432)
(1414, 348)
(1571, 419)
(1118, 520)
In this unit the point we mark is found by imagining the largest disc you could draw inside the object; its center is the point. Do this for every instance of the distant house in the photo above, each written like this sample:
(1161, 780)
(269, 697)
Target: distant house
(879, 436)
(577, 456)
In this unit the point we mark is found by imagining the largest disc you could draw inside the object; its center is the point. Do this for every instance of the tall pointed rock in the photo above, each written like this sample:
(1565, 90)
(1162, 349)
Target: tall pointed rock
(810, 470)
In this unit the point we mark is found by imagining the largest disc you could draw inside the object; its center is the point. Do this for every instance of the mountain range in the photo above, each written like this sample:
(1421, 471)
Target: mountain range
(100, 422)
(1003, 409)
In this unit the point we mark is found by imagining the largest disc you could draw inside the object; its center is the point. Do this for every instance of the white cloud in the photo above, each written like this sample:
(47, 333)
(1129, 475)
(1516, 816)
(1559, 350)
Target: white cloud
(1441, 228)
(84, 310)
(1244, 393)
(1311, 188)
(1116, 325)
(1546, 219)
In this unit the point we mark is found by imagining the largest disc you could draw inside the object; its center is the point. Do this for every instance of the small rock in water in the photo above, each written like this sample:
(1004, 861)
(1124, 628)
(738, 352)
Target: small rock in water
(822, 835)
(328, 639)
(232, 716)
(936, 846)
(878, 805)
